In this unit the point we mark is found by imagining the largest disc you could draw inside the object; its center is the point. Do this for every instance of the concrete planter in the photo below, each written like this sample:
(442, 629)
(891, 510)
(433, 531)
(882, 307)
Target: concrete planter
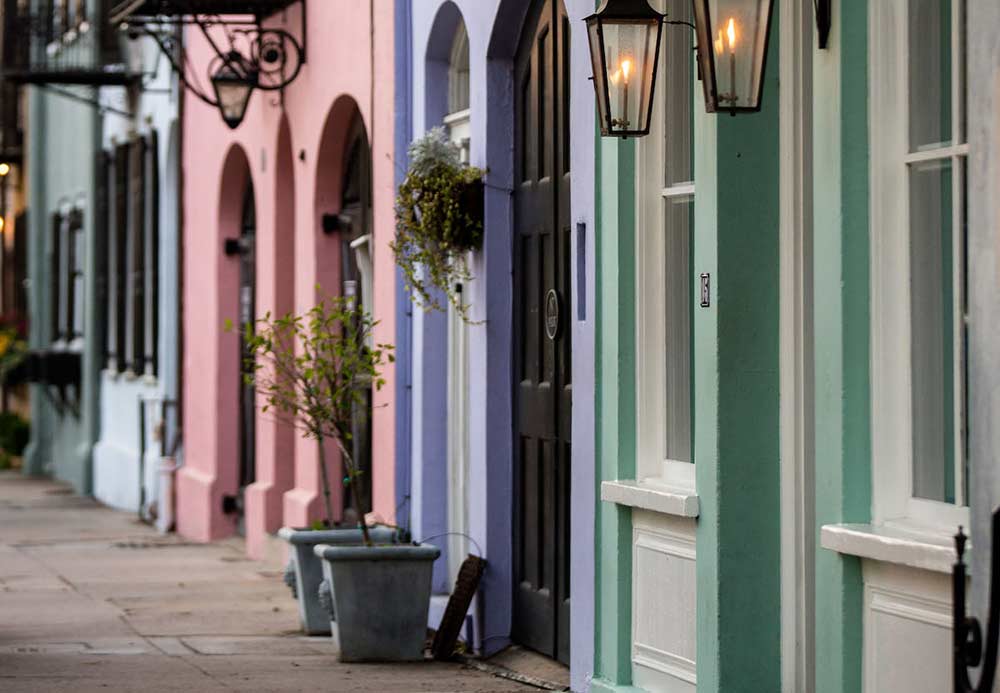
(304, 573)
(380, 598)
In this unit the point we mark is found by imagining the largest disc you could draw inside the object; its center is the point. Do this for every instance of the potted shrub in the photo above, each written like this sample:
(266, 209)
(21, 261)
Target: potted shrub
(316, 369)
(312, 371)
(439, 220)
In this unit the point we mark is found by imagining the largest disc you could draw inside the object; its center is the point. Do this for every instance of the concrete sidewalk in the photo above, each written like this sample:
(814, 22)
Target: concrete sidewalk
(91, 599)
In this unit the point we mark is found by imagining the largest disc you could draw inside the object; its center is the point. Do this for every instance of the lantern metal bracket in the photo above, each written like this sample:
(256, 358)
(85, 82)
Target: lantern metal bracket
(967, 632)
(824, 20)
(263, 57)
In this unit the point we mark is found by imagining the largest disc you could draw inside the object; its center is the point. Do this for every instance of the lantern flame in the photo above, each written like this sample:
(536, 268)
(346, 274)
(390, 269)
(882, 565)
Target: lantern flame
(626, 68)
(720, 44)
(731, 34)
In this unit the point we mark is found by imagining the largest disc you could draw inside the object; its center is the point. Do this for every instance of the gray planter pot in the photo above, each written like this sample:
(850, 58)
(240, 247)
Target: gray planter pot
(380, 596)
(304, 573)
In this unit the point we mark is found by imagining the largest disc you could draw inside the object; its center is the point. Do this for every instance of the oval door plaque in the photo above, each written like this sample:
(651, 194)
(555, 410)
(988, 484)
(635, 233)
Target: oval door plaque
(551, 314)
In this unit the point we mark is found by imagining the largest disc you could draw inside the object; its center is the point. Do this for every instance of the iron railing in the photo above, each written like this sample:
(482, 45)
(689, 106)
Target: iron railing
(49, 43)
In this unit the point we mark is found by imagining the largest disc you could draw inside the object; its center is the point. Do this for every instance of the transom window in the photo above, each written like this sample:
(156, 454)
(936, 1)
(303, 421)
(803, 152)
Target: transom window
(919, 242)
(664, 245)
(457, 120)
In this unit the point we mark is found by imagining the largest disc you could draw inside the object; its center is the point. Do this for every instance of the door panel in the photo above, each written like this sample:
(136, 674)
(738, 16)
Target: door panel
(541, 336)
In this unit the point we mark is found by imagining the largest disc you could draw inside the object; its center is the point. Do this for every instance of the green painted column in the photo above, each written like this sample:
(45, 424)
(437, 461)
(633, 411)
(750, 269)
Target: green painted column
(737, 407)
(842, 327)
(615, 380)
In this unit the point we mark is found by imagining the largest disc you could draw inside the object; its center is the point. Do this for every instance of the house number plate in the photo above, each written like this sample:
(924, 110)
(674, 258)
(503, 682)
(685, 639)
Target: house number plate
(551, 314)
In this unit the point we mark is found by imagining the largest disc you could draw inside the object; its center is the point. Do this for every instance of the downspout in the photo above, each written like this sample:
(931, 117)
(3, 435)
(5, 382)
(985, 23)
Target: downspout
(403, 99)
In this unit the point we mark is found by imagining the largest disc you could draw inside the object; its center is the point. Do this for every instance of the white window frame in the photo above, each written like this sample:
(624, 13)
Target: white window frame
(893, 502)
(459, 125)
(653, 466)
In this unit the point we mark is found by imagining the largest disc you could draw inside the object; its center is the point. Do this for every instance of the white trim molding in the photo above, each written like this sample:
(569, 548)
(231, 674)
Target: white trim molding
(899, 545)
(651, 495)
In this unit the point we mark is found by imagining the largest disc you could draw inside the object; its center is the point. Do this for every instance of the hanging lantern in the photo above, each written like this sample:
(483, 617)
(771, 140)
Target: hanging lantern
(732, 50)
(233, 85)
(624, 45)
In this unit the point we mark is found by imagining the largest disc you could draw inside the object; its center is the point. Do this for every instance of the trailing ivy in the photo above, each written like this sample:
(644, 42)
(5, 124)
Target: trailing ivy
(439, 219)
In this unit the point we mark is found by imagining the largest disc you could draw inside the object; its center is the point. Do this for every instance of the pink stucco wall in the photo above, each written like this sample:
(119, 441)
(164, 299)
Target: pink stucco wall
(293, 155)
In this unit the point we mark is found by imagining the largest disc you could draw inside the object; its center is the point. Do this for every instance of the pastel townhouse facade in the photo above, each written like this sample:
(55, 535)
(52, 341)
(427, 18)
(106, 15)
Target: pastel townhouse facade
(293, 205)
(63, 137)
(102, 229)
(496, 438)
(138, 172)
(783, 387)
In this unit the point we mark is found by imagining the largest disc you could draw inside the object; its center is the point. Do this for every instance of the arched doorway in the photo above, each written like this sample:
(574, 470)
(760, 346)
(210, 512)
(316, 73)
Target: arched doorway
(247, 394)
(541, 336)
(357, 278)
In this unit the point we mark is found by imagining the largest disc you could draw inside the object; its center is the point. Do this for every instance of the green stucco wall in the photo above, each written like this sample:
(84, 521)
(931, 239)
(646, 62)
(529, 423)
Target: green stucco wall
(736, 380)
(842, 327)
(737, 385)
(62, 141)
(615, 391)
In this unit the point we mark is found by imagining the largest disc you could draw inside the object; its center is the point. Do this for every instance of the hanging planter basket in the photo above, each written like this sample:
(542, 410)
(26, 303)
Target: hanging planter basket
(439, 221)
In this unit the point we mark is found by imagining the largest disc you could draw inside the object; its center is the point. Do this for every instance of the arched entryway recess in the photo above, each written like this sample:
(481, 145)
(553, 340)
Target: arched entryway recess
(526, 443)
(215, 469)
(275, 294)
(438, 494)
(335, 259)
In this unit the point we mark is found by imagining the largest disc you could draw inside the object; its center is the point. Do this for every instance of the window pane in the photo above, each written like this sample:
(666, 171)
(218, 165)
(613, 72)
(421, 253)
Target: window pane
(458, 73)
(679, 224)
(933, 302)
(930, 73)
(677, 84)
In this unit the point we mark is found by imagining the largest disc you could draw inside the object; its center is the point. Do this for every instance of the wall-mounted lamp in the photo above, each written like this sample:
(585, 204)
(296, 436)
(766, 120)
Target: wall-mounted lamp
(234, 81)
(251, 57)
(4, 169)
(624, 44)
(732, 52)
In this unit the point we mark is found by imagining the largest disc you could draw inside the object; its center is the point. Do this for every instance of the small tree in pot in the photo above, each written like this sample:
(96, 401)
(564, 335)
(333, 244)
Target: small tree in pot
(313, 371)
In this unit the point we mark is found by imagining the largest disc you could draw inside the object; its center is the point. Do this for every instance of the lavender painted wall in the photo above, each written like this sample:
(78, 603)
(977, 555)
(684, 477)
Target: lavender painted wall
(402, 108)
(494, 27)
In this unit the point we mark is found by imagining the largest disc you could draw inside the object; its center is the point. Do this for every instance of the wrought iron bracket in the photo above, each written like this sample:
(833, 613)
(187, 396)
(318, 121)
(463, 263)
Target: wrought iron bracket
(270, 58)
(967, 632)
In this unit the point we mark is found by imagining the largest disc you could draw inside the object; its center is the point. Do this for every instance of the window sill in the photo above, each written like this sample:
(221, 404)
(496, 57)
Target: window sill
(664, 499)
(913, 547)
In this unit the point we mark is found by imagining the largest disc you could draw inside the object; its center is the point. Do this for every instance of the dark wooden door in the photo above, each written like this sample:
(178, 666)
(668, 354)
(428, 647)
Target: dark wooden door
(248, 410)
(542, 388)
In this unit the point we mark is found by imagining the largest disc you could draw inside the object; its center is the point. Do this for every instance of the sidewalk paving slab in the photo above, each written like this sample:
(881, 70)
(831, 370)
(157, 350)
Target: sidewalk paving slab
(93, 600)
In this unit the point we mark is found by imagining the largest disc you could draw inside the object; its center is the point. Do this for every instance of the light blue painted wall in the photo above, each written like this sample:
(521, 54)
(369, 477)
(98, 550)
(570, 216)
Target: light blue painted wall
(117, 452)
(494, 28)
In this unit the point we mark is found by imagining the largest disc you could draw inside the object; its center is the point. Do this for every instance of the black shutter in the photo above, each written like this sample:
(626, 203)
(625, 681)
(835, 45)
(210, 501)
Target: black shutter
(153, 256)
(102, 221)
(137, 255)
(72, 225)
(118, 259)
(55, 276)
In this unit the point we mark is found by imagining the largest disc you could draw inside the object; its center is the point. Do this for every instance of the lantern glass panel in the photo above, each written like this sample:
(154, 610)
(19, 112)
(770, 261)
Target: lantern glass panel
(233, 95)
(735, 32)
(629, 53)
